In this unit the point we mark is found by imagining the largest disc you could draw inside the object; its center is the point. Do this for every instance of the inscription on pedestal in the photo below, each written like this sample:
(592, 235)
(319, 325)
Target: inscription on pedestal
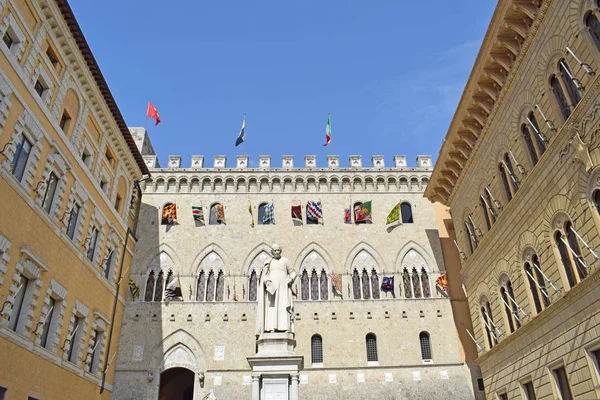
(275, 388)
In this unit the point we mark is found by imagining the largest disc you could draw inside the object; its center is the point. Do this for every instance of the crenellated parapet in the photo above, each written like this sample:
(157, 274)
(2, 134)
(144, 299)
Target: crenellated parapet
(248, 176)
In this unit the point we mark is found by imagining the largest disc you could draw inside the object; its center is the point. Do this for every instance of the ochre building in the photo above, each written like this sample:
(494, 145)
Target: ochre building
(68, 167)
(519, 169)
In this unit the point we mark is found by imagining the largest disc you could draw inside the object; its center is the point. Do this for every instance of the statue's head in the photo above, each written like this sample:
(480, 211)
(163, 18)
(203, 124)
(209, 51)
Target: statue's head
(276, 251)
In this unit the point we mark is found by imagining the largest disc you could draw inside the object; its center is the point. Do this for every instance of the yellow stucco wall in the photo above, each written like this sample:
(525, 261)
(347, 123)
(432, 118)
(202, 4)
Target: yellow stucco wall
(33, 239)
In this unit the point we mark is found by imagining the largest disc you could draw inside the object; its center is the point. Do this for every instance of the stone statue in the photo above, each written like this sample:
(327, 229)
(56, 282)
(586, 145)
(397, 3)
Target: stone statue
(275, 307)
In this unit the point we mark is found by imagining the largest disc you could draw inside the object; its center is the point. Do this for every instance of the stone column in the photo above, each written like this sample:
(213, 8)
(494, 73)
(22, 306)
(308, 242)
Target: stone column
(294, 388)
(255, 387)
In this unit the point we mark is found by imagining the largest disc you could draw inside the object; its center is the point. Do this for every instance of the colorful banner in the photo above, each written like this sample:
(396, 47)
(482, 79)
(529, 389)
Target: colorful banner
(336, 282)
(169, 214)
(362, 212)
(297, 213)
(387, 284)
(220, 213)
(442, 282)
(348, 215)
(314, 212)
(134, 289)
(394, 215)
(269, 217)
(198, 214)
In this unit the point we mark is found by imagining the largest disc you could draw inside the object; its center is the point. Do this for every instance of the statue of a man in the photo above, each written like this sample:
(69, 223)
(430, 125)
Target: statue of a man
(275, 306)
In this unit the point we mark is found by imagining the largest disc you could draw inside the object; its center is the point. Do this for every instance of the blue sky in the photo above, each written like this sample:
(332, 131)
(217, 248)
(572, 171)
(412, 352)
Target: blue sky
(389, 72)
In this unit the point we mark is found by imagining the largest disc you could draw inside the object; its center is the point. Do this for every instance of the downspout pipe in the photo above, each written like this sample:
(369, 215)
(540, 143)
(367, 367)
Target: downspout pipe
(114, 311)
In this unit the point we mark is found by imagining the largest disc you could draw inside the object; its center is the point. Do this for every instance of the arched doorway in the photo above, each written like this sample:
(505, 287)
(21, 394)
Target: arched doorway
(176, 384)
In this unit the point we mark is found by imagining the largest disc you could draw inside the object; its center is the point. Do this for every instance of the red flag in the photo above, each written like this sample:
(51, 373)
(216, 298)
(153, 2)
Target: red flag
(153, 113)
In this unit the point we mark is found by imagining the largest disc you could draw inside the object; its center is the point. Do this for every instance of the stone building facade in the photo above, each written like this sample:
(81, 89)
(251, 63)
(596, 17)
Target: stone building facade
(356, 341)
(520, 170)
(68, 167)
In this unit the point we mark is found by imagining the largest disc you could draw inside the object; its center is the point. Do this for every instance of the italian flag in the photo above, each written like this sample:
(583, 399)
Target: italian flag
(328, 131)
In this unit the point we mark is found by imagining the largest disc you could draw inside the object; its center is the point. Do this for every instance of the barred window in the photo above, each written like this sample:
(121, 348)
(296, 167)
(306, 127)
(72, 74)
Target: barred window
(252, 286)
(148, 295)
(304, 286)
(316, 347)
(425, 346)
(371, 347)
(201, 287)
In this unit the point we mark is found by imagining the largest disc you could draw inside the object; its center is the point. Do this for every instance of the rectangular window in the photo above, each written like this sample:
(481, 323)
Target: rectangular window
(480, 384)
(85, 157)
(118, 203)
(95, 345)
(73, 220)
(64, 121)
(51, 184)
(74, 339)
(109, 157)
(18, 305)
(595, 355)
(52, 56)
(109, 261)
(20, 158)
(529, 391)
(39, 88)
(93, 242)
(47, 323)
(562, 383)
(3, 391)
(7, 39)
(503, 396)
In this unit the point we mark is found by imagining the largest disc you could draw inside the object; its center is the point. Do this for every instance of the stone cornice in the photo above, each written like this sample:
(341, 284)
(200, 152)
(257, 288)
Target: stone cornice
(493, 73)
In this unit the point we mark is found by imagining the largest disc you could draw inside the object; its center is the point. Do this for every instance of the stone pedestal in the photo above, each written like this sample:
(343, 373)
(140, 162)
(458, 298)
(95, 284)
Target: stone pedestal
(275, 367)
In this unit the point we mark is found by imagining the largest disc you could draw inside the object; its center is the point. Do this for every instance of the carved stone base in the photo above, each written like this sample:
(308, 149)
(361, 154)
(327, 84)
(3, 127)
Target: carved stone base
(275, 368)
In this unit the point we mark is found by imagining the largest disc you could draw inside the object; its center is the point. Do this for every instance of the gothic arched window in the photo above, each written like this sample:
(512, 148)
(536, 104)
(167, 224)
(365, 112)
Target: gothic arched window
(529, 143)
(560, 97)
(366, 292)
(565, 258)
(488, 323)
(571, 88)
(416, 284)
(210, 286)
(158, 290)
(220, 287)
(407, 284)
(510, 310)
(426, 289)
(149, 294)
(304, 286)
(252, 286)
(374, 284)
(505, 183)
(324, 286)
(536, 292)
(356, 285)
(537, 134)
(314, 285)
(201, 287)
(425, 341)
(593, 26)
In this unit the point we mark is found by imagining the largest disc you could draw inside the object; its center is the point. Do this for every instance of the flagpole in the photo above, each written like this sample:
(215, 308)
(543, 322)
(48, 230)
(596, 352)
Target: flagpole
(244, 142)
(146, 119)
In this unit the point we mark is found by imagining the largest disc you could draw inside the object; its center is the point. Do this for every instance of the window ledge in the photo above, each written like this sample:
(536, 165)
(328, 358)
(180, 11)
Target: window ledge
(373, 363)
(68, 365)
(47, 354)
(428, 361)
(317, 365)
(15, 338)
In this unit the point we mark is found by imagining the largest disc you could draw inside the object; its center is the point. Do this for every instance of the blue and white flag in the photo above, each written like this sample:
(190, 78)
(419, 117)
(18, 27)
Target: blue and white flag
(242, 136)
(269, 216)
(314, 213)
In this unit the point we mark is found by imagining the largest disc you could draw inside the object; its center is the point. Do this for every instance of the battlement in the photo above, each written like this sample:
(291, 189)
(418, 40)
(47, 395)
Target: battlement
(424, 163)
